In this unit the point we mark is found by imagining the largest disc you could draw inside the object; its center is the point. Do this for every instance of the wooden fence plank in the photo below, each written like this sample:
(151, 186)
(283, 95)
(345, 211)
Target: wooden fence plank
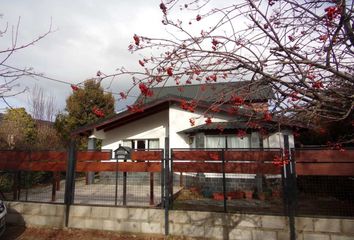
(33, 166)
(330, 169)
(146, 155)
(196, 155)
(14, 156)
(96, 166)
(250, 155)
(14, 165)
(247, 168)
(19, 156)
(324, 155)
(93, 156)
(122, 167)
(139, 167)
(48, 166)
(51, 156)
(252, 168)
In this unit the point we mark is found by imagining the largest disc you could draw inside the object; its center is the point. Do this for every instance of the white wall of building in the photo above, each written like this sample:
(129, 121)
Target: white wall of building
(170, 122)
(150, 127)
(179, 121)
(276, 140)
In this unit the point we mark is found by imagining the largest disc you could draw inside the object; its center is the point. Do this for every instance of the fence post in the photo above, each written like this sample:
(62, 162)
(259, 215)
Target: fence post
(54, 187)
(152, 202)
(167, 184)
(162, 178)
(124, 187)
(289, 189)
(116, 188)
(70, 180)
(223, 178)
(16, 185)
(57, 178)
(91, 145)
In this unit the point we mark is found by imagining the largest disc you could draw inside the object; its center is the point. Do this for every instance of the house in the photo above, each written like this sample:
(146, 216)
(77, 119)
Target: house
(219, 115)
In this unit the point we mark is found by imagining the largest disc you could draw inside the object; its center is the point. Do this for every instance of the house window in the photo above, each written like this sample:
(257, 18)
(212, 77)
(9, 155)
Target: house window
(128, 143)
(142, 143)
(199, 140)
(227, 141)
(153, 143)
(215, 142)
(237, 142)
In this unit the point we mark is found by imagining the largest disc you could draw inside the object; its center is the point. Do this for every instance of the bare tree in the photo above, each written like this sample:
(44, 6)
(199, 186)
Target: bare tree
(42, 107)
(303, 49)
(10, 74)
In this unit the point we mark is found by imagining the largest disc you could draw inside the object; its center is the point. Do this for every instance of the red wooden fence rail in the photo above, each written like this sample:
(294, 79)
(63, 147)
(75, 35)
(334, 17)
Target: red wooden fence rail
(324, 162)
(308, 162)
(45, 160)
(244, 161)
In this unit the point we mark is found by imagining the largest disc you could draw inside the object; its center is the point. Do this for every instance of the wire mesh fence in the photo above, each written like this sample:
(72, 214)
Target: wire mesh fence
(324, 182)
(120, 189)
(315, 182)
(325, 195)
(32, 186)
(242, 180)
(222, 180)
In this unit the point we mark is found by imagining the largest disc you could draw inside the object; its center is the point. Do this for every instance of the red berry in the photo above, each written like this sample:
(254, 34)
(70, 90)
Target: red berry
(136, 39)
(163, 8)
(74, 87)
(208, 121)
(123, 95)
(169, 71)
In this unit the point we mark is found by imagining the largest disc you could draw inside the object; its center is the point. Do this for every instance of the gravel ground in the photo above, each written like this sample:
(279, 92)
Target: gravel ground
(31, 233)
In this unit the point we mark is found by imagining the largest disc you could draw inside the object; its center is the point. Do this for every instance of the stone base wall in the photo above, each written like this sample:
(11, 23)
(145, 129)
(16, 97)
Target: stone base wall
(133, 220)
(257, 227)
(206, 225)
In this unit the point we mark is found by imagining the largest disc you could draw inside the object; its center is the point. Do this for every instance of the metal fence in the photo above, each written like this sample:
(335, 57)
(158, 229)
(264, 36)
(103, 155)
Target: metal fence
(36, 176)
(300, 182)
(324, 182)
(232, 180)
(316, 182)
(41, 177)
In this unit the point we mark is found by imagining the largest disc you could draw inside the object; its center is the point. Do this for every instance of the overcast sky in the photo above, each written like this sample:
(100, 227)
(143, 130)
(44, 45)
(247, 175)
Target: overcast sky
(88, 35)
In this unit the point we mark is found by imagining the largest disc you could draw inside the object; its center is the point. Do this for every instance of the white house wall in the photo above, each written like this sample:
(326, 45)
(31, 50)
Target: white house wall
(276, 140)
(173, 120)
(150, 127)
(179, 121)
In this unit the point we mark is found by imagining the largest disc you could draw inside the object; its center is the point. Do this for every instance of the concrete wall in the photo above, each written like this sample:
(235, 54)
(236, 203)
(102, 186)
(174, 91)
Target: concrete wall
(36, 214)
(206, 225)
(257, 227)
(134, 220)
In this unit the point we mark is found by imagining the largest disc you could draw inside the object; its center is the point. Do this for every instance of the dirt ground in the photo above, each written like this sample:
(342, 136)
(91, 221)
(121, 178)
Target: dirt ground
(31, 233)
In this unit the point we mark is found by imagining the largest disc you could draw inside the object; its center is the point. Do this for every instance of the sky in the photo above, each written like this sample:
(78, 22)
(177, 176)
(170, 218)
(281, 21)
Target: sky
(87, 36)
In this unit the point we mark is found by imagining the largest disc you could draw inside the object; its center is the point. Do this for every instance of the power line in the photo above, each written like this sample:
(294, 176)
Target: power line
(49, 78)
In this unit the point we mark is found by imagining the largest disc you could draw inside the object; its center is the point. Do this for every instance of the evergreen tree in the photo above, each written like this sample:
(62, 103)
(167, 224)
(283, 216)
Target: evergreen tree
(17, 129)
(84, 106)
